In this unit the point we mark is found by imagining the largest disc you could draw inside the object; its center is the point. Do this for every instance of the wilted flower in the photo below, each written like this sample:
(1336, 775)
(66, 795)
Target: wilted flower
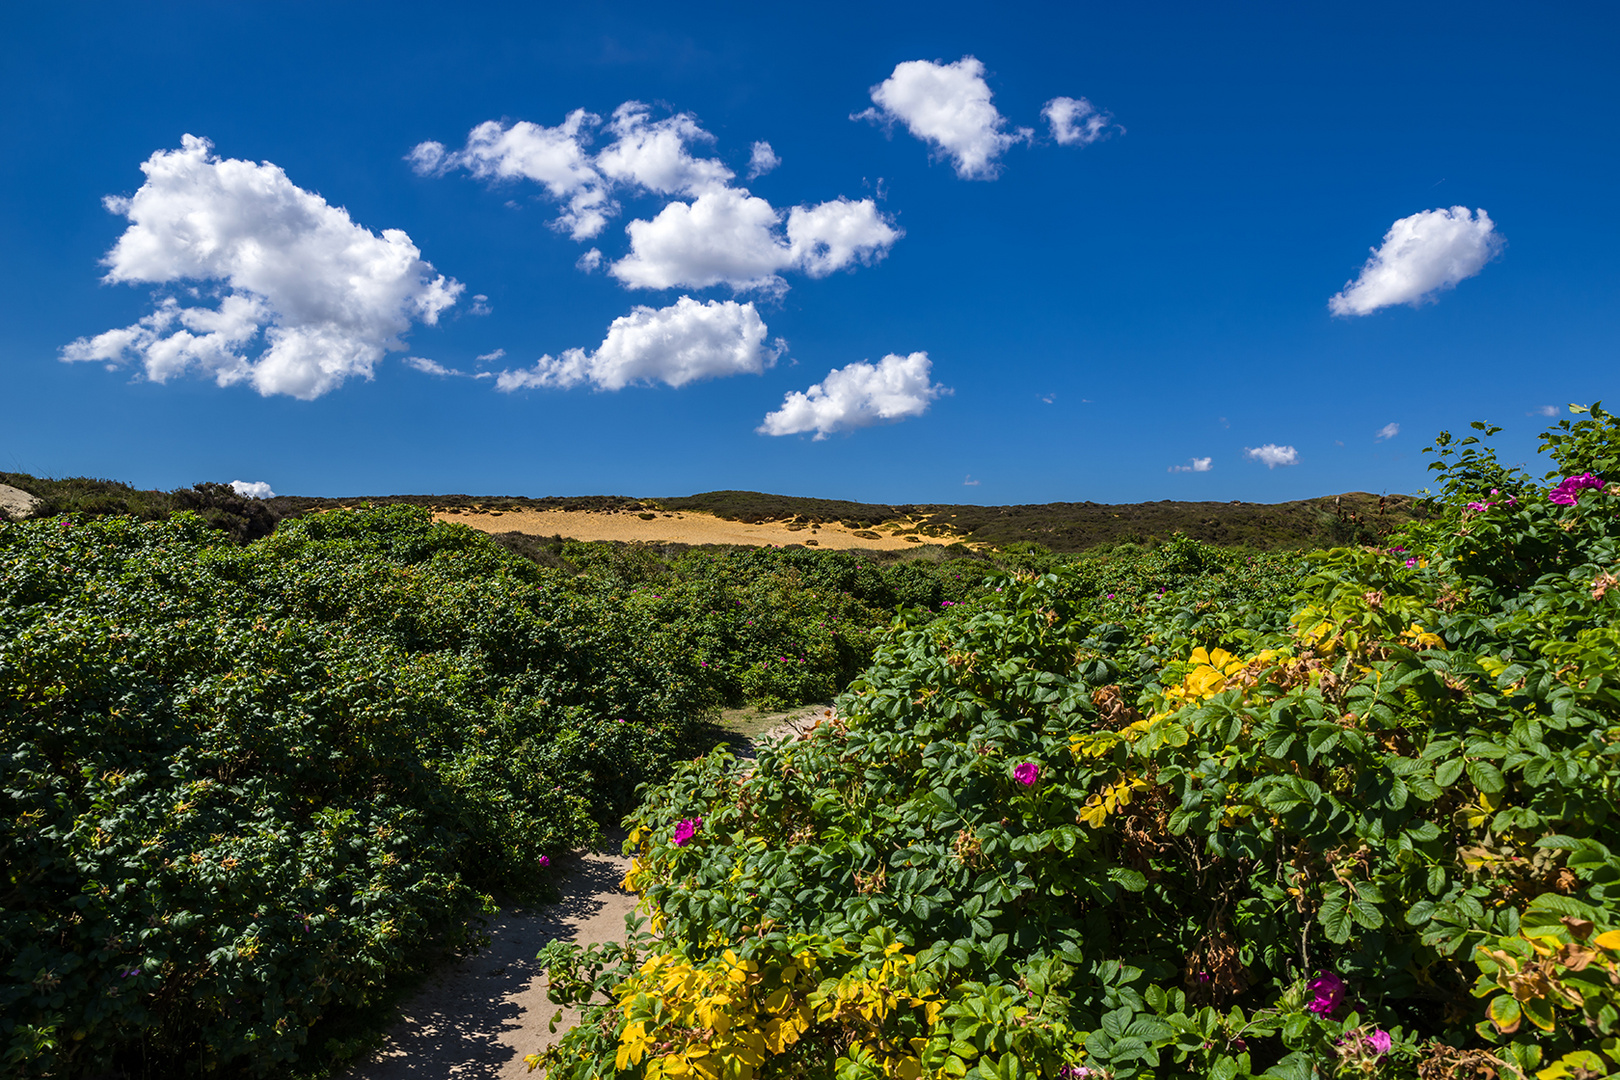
(1027, 773)
(1327, 991)
(686, 830)
(1380, 1041)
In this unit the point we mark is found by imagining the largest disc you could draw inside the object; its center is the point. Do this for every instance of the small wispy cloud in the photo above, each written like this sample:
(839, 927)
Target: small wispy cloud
(968, 481)
(1077, 122)
(1197, 464)
(1543, 410)
(1272, 455)
(430, 367)
(491, 357)
(762, 160)
(252, 489)
(480, 305)
(1049, 398)
(1388, 431)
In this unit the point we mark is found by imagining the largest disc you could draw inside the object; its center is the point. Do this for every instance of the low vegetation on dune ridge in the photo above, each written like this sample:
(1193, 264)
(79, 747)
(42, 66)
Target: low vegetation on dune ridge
(1060, 527)
(1075, 527)
(1362, 826)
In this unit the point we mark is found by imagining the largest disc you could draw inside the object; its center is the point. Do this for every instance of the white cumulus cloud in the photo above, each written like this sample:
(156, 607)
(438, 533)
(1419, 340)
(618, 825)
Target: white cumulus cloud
(554, 157)
(682, 343)
(1197, 464)
(328, 297)
(1272, 455)
(762, 160)
(947, 106)
(1388, 431)
(652, 154)
(252, 489)
(733, 238)
(1077, 122)
(857, 395)
(1421, 255)
(712, 234)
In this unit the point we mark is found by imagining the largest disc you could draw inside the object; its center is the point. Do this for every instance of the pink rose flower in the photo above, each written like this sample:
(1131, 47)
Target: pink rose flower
(1570, 488)
(1027, 773)
(1328, 994)
(686, 830)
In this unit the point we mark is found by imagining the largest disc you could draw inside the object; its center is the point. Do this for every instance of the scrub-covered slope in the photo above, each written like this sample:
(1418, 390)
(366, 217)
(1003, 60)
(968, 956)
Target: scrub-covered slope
(1208, 833)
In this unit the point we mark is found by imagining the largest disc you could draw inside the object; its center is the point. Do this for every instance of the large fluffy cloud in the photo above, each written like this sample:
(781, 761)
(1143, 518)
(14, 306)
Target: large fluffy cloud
(1421, 255)
(949, 107)
(329, 297)
(682, 343)
(713, 234)
(857, 395)
(653, 154)
(730, 237)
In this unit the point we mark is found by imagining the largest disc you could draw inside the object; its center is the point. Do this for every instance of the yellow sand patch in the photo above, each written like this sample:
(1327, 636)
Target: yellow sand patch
(685, 527)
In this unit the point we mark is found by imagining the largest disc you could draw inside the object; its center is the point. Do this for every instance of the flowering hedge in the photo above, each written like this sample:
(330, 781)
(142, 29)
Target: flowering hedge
(1366, 830)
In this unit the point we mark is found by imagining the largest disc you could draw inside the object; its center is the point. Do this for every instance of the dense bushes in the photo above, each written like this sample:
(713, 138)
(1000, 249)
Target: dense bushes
(244, 787)
(1367, 831)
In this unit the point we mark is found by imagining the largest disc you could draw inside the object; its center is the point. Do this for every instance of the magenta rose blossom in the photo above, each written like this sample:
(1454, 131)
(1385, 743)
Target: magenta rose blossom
(545, 860)
(1327, 991)
(1380, 1041)
(1027, 773)
(686, 830)
(1570, 488)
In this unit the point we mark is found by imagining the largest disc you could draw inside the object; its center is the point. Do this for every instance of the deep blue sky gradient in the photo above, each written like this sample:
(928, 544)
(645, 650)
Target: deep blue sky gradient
(1167, 288)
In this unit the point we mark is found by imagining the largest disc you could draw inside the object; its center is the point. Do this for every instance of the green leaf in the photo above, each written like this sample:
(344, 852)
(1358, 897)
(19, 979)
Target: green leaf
(1447, 772)
(1485, 776)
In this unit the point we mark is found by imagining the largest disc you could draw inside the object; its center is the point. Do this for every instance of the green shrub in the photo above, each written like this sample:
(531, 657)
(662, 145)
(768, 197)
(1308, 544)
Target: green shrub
(243, 788)
(1213, 831)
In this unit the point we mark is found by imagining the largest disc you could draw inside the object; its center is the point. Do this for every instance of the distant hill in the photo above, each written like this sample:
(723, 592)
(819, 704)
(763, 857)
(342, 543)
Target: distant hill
(1354, 517)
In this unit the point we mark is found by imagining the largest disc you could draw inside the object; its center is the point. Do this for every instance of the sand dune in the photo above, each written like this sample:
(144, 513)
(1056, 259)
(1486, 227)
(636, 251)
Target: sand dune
(681, 528)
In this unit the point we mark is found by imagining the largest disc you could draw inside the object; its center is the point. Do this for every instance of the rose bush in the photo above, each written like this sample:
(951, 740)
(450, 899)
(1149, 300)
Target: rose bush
(1367, 828)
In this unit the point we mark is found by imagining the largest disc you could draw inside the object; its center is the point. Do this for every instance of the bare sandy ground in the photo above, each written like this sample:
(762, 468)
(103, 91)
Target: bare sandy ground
(680, 528)
(477, 1019)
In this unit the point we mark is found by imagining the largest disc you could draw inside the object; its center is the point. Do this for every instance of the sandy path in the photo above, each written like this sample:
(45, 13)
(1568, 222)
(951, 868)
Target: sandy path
(686, 527)
(477, 1019)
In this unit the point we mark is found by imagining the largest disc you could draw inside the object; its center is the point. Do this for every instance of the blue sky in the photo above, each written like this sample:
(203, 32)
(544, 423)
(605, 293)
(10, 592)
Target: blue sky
(950, 298)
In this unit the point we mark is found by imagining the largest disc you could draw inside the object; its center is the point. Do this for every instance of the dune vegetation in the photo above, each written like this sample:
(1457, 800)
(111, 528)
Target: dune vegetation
(1178, 810)
(1365, 826)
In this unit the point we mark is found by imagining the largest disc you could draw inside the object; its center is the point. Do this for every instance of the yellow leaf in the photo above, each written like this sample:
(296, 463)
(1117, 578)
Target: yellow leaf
(1609, 939)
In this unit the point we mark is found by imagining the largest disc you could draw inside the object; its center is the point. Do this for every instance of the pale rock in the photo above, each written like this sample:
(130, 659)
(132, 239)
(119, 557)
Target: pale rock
(17, 504)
